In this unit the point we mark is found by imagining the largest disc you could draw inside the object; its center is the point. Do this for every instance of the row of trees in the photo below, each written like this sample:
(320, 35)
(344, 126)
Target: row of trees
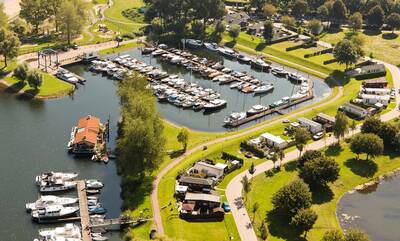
(174, 17)
(141, 142)
(68, 16)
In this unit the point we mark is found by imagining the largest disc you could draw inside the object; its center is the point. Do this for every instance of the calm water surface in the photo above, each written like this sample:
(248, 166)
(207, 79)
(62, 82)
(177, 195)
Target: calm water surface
(376, 212)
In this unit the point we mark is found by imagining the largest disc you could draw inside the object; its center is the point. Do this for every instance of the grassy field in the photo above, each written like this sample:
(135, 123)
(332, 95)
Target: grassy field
(352, 173)
(383, 45)
(121, 48)
(51, 87)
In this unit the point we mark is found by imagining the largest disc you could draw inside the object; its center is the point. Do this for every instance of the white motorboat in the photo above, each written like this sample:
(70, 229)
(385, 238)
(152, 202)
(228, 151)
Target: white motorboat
(211, 46)
(68, 231)
(94, 184)
(54, 212)
(297, 96)
(235, 85)
(234, 117)
(263, 89)
(256, 109)
(259, 64)
(227, 52)
(192, 43)
(56, 186)
(215, 104)
(48, 200)
(279, 71)
(243, 58)
(64, 176)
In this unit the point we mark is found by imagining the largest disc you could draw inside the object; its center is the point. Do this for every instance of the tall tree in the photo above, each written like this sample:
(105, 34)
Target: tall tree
(320, 171)
(34, 78)
(341, 125)
(346, 53)
(71, 18)
(356, 21)
(208, 9)
(53, 9)
(376, 16)
(339, 11)
(252, 169)
(34, 12)
(288, 22)
(255, 208)
(304, 220)
(369, 143)
(299, 8)
(268, 33)
(234, 31)
(301, 136)
(183, 137)
(393, 21)
(315, 26)
(333, 235)
(371, 125)
(269, 10)
(246, 184)
(9, 45)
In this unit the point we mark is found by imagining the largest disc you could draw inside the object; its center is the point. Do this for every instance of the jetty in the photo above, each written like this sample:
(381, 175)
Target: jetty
(83, 210)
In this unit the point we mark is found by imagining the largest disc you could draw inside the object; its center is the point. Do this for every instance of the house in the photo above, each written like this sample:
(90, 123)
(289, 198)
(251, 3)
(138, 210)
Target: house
(368, 69)
(87, 136)
(373, 99)
(209, 170)
(196, 183)
(323, 118)
(310, 125)
(355, 110)
(201, 206)
(274, 141)
(376, 91)
(375, 83)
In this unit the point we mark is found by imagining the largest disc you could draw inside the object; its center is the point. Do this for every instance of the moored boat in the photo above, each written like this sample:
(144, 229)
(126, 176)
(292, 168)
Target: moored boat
(215, 104)
(264, 89)
(54, 212)
(48, 200)
(256, 109)
(234, 118)
(47, 176)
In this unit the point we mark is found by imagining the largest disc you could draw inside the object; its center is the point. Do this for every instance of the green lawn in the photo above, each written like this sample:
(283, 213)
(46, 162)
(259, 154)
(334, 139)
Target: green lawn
(121, 48)
(51, 87)
(352, 173)
(383, 45)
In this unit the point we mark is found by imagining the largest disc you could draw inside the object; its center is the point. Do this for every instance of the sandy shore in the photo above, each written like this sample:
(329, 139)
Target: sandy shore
(11, 7)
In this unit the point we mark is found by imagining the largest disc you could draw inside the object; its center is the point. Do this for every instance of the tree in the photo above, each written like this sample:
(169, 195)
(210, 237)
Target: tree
(299, 8)
(3, 16)
(274, 159)
(34, 12)
(53, 9)
(252, 169)
(258, 4)
(339, 11)
(333, 235)
(320, 171)
(358, 41)
(393, 20)
(307, 156)
(269, 10)
(197, 28)
(280, 154)
(21, 71)
(292, 197)
(341, 125)
(9, 45)
(346, 53)
(268, 33)
(263, 231)
(371, 125)
(206, 10)
(71, 18)
(356, 21)
(353, 126)
(304, 220)
(301, 136)
(19, 27)
(246, 184)
(183, 137)
(376, 16)
(34, 78)
(355, 235)
(234, 31)
(288, 21)
(315, 26)
(387, 132)
(255, 209)
(220, 27)
(367, 143)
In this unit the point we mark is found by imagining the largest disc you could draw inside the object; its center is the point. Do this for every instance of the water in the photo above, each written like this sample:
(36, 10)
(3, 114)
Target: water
(377, 212)
(237, 101)
(33, 138)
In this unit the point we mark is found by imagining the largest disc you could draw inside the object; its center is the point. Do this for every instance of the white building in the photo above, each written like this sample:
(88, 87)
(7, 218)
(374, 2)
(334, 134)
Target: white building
(274, 141)
(355, 110)
(373, 99)
(210, 170)
(310, 125)
(376, 91)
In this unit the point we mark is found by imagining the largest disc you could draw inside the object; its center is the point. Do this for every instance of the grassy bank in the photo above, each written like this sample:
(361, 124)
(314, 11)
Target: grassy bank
(121, 48)
(352, 173)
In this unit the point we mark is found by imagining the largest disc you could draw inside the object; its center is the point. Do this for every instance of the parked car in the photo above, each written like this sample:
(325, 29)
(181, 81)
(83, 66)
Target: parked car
(226, 207)
(318, 136)
(74, 46)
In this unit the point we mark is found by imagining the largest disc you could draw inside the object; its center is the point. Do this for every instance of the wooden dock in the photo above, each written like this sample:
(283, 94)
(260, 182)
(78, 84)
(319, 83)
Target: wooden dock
(83, 210)
(119, 221)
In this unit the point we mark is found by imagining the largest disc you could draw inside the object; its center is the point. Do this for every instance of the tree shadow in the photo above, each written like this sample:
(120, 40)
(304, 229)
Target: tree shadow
(175, 154)
(362, 168)
(31, 93)
(389, 36)
(14, 88)
(334, 150)
(215, 37)
(334, 30)
(372, 32)
(135, 190)
(321, 194)
(230, 44)
(337, 78)
(291, 166)
(261, 46)
(278, 226)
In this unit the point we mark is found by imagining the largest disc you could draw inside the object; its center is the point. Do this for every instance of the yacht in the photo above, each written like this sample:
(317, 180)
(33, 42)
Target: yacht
(235, 85)
(64, 176)
(56, 186)
(68, 231)
(297, 96)
(48, 200)
(215, 104)
(279, 71)
(256, 109)
(263, 89)
(192, 43)
(243, 58)
(94, 184)
(211, 46)
(234, 118)
(54, 212)
(280, 102)
(227, 52)
(260, 64)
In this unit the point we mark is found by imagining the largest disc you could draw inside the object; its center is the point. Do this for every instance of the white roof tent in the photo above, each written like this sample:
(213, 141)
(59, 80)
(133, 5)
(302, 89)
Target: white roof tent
(202, 197)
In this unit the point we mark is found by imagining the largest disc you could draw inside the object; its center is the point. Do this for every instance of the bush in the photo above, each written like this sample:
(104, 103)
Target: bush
(305, 45)
(228, 156)
(331, 61)
(256, 151)
(21, 71)
(132, 14)
(320, 171)
(34, 78)
(307, 156)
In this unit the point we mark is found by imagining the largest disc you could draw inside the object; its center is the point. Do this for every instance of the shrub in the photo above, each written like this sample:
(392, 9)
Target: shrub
(21, 71)
(34, 78)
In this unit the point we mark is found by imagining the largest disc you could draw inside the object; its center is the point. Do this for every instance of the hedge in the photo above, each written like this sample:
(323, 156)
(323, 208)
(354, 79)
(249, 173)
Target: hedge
(228, 156)
(256, 151)
(302, 46)
(325, 51)
(371, 76)
(331, 61)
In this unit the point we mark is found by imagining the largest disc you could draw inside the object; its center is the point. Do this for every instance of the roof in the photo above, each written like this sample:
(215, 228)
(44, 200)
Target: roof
(375, 81)
(196, 180)
(308, 121)
(376, 97)
(85, 135)
(221, 166)
(373, 67)
(275, 139)
(200, 164)
(355, 107)
(87, 130)
(383, 90)
(202, 197)
(326, 117)
(89, 122)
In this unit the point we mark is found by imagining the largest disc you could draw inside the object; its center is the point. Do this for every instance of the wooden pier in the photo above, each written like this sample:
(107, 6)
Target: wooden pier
(119, 221)
(83, 210)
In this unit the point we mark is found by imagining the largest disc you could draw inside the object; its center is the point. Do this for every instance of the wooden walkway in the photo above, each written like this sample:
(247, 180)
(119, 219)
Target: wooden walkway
(119, 221)
(83, 210)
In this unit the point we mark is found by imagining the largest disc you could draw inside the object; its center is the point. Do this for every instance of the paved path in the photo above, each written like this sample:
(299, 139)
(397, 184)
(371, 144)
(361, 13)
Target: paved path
(163, 172)
(234, 188)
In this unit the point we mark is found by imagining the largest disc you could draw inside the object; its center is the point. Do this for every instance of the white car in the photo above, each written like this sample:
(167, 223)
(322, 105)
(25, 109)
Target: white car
(318, 136)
